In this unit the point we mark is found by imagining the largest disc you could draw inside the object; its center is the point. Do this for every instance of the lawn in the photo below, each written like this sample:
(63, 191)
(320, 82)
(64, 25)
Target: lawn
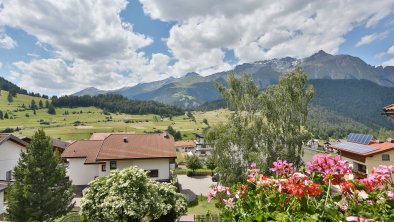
(203, 207)
(93, 120)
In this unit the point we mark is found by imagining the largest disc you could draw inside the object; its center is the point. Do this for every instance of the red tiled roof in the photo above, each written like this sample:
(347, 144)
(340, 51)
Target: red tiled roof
(114, 147)
(137, 146)
(83, 149)
(185, 143)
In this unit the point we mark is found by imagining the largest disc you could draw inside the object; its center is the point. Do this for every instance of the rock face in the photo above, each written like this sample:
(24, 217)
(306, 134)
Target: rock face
(193, 90)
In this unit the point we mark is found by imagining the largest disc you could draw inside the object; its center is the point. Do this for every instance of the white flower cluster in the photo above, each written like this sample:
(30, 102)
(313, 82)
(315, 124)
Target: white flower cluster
(129, 195)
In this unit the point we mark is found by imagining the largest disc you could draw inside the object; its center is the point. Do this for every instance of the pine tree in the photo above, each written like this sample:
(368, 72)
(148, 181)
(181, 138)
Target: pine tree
(51, 109)
(40, 191)
(1, 114)
(46, 103)
(6, 115)
(33, 105)
(10, 98)
(40, 104)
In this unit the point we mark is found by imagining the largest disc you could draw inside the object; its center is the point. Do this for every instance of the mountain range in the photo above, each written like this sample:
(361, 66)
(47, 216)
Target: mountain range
(193, 90)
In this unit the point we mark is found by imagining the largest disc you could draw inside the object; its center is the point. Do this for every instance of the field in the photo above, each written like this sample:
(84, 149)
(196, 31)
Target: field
(81, 122)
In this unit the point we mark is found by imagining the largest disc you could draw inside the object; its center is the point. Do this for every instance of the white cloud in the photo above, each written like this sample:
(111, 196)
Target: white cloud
(1, 65)
(390, 50)
(367, 39)
(7, 42)
(258, 29)
(92, 45)
(389, 62)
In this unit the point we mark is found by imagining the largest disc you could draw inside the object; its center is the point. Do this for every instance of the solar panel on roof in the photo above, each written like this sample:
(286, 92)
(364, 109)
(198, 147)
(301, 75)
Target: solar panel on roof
(359, 138)
(354, 147)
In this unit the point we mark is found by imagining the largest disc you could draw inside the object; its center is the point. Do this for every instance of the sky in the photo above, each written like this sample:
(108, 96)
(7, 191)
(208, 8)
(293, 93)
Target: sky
(60, 47)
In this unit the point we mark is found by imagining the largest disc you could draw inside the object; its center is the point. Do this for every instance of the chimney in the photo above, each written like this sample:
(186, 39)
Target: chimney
(377, 141)
(125, 140)
(165, 134)
(389, 140)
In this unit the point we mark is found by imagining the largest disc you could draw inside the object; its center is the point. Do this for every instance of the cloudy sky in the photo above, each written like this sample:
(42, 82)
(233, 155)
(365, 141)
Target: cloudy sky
(60, 47)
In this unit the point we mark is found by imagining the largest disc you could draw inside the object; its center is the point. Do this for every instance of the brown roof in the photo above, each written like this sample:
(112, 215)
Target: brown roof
(102, 136)
(113, 147)
(185, 143)
(83, 149)
(7, 136)
(137, 146)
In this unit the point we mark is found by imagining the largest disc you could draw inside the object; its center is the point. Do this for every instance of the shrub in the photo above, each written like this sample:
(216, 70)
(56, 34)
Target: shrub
(308, 196)
(129, 195)
(189, 173)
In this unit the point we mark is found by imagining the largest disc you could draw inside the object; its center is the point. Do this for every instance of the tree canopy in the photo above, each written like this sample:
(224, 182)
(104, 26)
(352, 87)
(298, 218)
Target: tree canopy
(117, 103)
(264, 125)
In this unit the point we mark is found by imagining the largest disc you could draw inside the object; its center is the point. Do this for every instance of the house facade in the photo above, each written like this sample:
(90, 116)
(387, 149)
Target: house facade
(203, 149)
(10, 151)
(364, 155)
(185, 145)
(88, 159)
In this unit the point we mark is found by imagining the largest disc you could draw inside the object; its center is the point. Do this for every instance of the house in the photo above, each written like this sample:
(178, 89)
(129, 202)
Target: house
(57, 144)
(388, 110)
(202, 148)
(88, 159)
(363, 153)
(3, 186)
(10, 150)
(185, 145)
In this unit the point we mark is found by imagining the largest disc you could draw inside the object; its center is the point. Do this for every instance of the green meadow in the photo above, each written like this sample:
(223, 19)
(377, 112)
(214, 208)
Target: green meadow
(81, 122)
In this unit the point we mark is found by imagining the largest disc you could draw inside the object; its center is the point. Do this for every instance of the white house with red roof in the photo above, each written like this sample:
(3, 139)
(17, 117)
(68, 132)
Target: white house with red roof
(363, 153)
(88, 159)
(10, 150)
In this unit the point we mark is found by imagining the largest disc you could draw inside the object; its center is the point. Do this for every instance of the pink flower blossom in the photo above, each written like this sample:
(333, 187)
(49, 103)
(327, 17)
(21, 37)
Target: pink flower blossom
(390, 195)
(253, 166)
(229, 203)
(332, 168)
(283, 168)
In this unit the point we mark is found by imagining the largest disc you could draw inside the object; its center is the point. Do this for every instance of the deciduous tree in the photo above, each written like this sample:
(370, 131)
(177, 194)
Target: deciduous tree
(264, 125)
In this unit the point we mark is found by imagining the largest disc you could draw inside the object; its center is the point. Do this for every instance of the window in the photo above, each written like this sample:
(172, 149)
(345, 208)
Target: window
(385, 157)
(153, 173)
(8, 175)
(112, 165)
(103, 167)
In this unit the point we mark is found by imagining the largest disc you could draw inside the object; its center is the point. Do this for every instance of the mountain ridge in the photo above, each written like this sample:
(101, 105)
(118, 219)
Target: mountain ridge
(321, 65)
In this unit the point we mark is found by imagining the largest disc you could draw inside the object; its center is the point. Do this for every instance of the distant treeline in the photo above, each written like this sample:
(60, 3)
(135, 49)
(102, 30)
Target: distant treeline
(117, 103)
(14, 89)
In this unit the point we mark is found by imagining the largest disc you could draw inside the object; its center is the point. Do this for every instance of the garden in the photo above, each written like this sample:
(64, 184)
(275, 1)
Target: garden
(317, 192)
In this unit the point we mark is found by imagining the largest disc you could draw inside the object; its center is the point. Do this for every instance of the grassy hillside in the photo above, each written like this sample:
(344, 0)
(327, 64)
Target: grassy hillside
(81, 122)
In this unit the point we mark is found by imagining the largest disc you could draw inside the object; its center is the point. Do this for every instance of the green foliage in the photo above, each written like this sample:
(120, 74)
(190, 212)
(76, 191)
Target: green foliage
(205, 121)
(1, 115)
(117, 103)
(40, 191)
(129, 195)
(176, 134)
(211, 162)
(40, 104)
(51, 109)
(10, 98)
(193, 163)
(33, 105)
(263, 126)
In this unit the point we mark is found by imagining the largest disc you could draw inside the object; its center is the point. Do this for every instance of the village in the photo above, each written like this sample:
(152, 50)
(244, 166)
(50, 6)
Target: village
(156, 153)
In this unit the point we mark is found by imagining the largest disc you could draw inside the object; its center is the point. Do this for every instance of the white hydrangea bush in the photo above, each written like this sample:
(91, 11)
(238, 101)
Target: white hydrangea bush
(129, 195)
